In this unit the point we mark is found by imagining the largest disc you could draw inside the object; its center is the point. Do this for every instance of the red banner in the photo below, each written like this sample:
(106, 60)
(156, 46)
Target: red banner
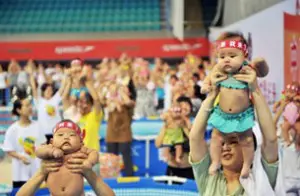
(96, 49)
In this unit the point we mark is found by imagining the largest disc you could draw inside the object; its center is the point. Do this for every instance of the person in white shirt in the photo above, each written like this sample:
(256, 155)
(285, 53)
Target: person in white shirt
(20, 141)
(48, 104)
(291, 153)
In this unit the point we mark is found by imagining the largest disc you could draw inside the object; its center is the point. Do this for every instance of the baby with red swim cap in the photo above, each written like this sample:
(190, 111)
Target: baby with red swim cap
(67, 140)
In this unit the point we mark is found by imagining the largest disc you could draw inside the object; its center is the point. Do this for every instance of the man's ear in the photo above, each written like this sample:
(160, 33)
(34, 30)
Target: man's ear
(51, 141)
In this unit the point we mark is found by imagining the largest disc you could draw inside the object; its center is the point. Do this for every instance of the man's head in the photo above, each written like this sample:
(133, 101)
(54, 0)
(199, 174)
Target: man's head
(67, 136)
(232, 155)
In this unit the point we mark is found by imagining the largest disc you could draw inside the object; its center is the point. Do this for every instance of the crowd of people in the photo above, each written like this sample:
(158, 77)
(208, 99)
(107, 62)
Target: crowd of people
(245, 156)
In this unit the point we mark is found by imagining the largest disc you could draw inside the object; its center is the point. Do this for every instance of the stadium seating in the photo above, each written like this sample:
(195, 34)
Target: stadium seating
(50, 16)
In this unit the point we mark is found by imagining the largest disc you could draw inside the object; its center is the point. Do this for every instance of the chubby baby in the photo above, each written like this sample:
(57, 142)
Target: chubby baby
(67, 140)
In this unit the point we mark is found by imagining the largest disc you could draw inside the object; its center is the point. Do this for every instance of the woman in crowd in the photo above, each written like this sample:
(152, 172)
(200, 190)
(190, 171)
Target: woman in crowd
(48, 103)
(20, 142)
(290, 153)
(183, 169)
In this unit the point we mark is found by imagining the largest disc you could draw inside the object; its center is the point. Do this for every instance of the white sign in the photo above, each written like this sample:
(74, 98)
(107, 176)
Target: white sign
(73, 49)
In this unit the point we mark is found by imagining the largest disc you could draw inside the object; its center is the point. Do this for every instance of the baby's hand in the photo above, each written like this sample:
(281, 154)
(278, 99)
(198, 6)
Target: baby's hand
(58, 153)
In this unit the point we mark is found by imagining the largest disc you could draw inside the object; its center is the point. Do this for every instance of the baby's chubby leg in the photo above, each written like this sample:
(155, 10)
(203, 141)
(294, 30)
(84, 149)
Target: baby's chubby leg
(247, 145)
(178, 153)
(215, 151)
(166, 153)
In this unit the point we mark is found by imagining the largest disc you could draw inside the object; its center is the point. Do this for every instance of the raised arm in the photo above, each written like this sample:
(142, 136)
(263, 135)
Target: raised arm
(279, 112)
(98, 185)
(29, 70)
(75, 165)
(265, 120)
(64, 90)
(198, 148)
(90, 86)
(160, 137)
(34, 183)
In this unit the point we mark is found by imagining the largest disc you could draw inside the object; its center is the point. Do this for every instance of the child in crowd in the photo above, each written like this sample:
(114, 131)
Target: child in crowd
(234, 114)
(20, 141)
(174, 126)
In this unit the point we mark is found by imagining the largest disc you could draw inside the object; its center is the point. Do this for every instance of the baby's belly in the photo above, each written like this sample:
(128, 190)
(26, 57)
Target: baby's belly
(65, 183)
(234, 101)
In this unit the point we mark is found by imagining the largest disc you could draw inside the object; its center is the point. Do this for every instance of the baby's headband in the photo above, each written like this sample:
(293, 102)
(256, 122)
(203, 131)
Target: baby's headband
(294, 88)
(70, 125)
(232, 44)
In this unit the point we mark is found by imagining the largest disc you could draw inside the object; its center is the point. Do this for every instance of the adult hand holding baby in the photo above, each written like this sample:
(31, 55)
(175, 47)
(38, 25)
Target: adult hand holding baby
(216, 77)
(76, 164)
(248, 75)
(48, 166)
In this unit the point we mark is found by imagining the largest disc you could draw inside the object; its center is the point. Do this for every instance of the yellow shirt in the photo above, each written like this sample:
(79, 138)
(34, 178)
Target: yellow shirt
(91, 123)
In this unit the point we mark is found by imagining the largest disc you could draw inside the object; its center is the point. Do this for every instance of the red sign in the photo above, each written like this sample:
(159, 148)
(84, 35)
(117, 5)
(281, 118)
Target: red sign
(55, 50)
(291, 48)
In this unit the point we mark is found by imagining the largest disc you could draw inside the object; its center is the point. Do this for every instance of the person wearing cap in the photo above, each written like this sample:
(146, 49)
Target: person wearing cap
(68, 139)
